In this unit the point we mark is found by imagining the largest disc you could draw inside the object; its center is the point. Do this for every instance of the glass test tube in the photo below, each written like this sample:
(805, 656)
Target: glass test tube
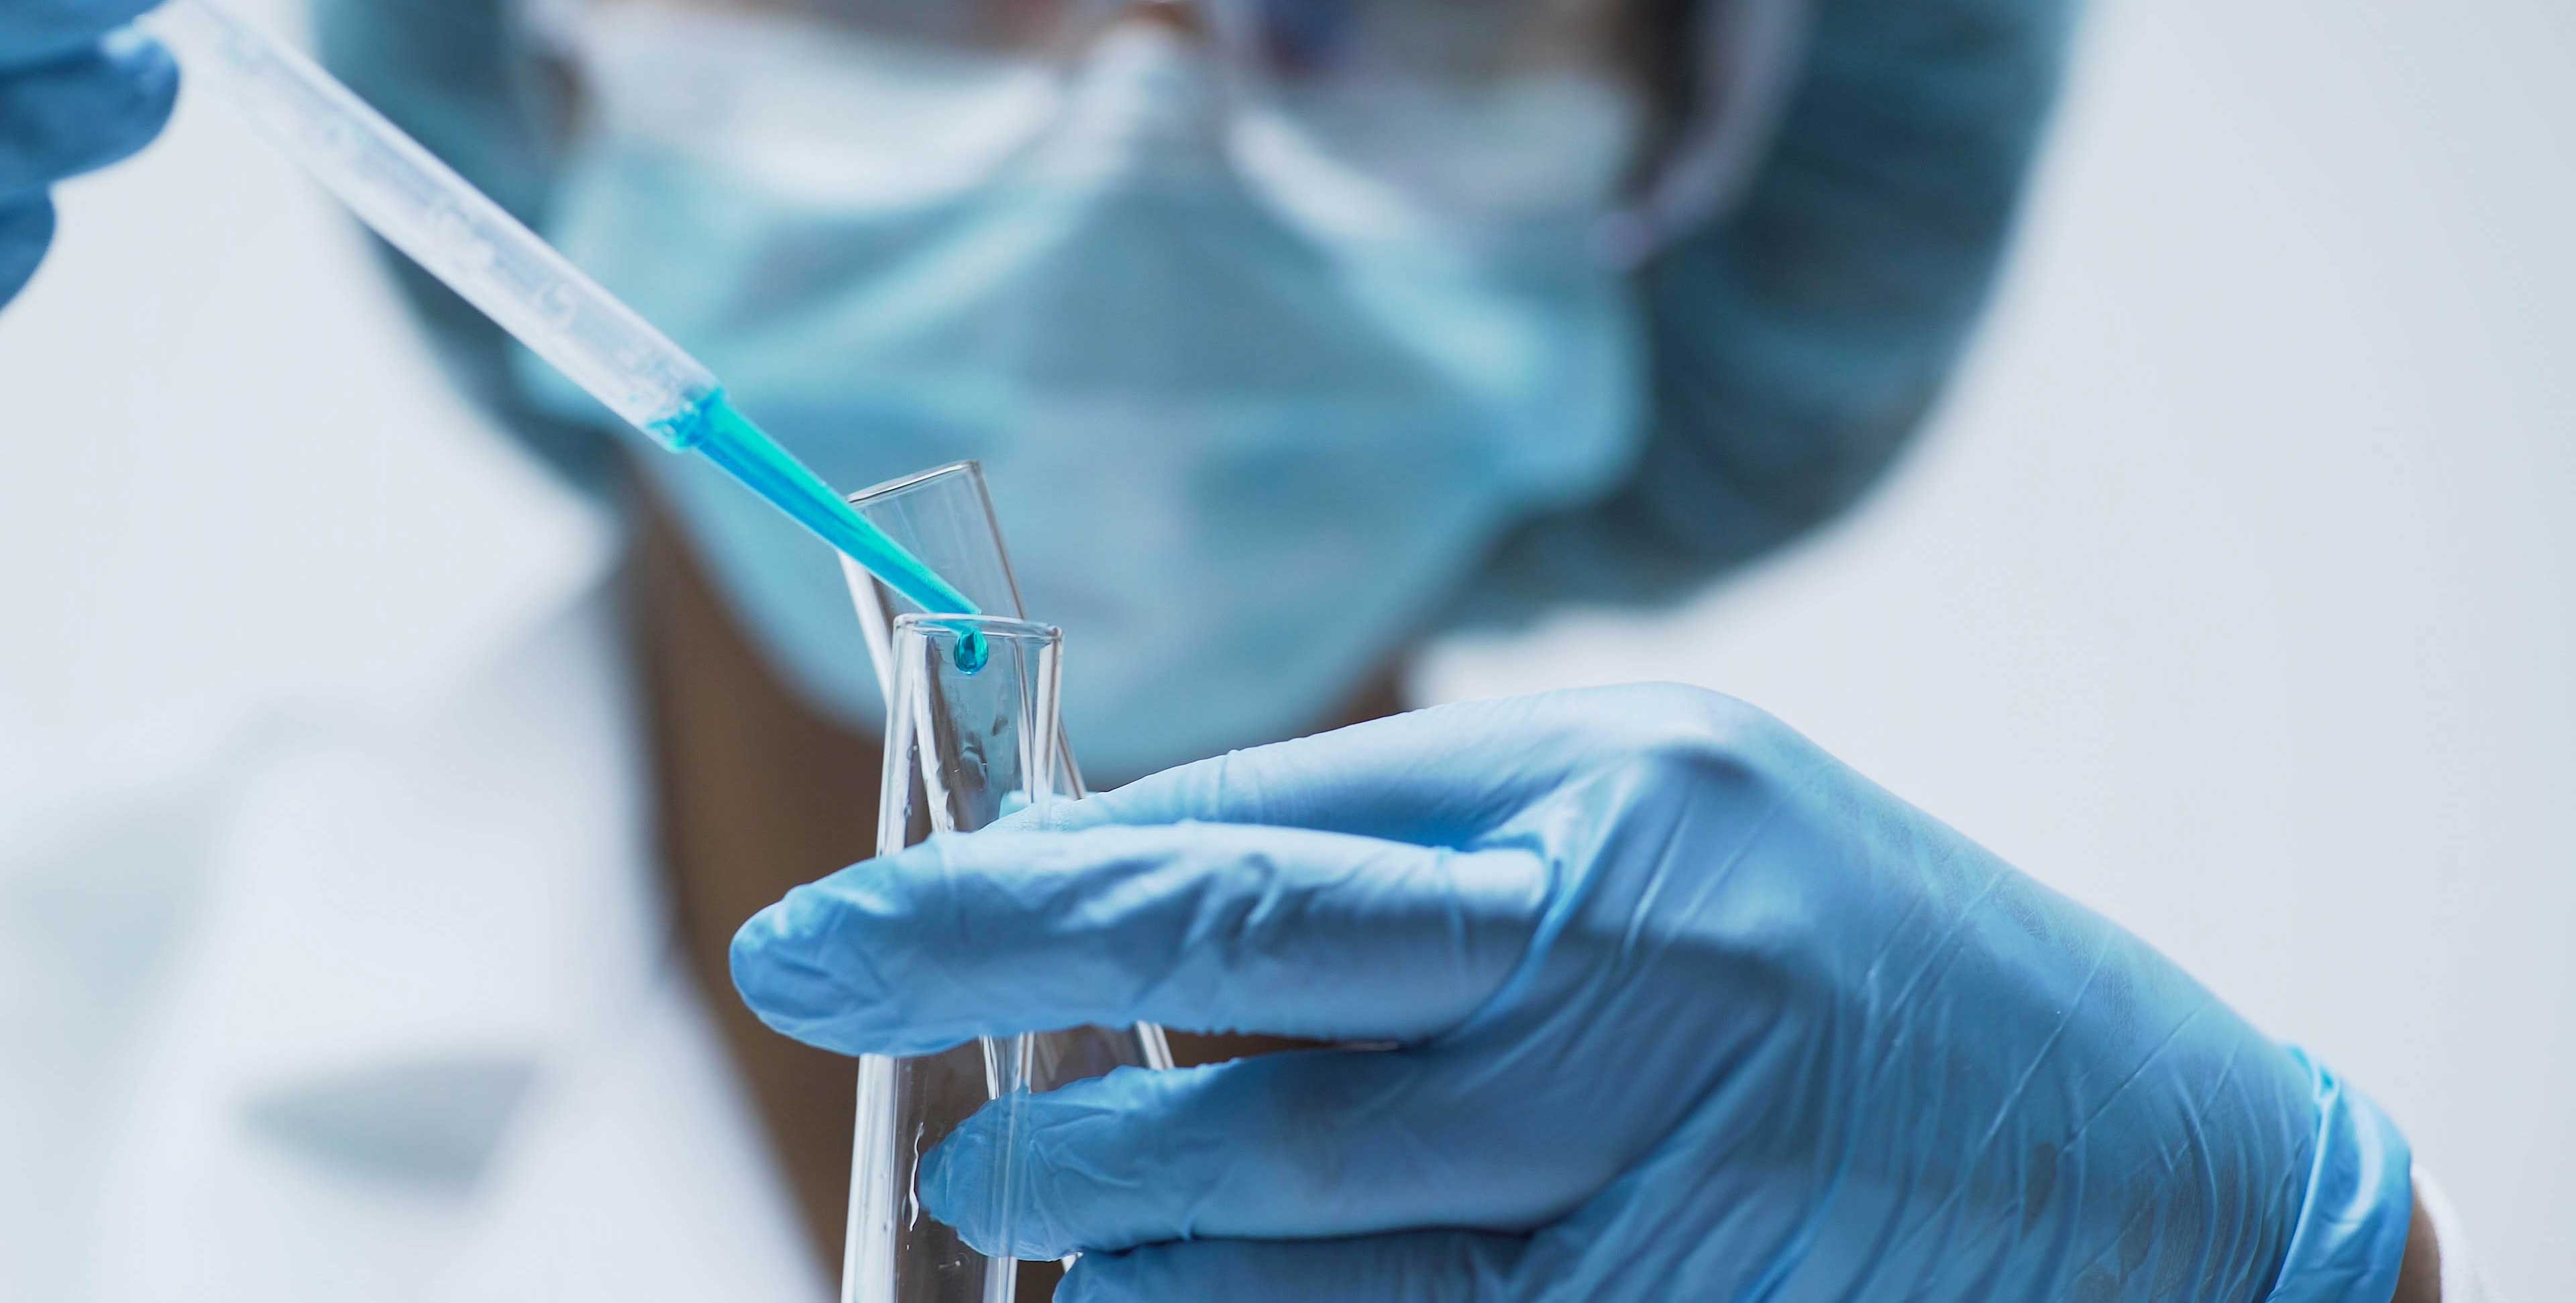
(961, 751)
(945, 517)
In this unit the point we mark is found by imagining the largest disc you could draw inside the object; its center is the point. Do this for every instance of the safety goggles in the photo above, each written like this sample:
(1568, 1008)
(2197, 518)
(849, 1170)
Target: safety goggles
(1478, 108)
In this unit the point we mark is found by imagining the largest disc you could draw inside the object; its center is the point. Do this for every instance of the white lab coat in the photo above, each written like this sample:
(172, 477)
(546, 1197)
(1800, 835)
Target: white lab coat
(377, 1001)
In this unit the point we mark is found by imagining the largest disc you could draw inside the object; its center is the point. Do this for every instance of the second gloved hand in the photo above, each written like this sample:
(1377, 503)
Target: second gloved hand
(79, 90)
(1684, 1009)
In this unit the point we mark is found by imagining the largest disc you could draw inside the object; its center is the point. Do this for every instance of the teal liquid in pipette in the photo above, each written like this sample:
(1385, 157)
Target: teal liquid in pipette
(715, 430)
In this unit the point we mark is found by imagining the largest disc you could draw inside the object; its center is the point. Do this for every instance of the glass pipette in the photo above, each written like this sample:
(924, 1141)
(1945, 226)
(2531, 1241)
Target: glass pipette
(422, 207)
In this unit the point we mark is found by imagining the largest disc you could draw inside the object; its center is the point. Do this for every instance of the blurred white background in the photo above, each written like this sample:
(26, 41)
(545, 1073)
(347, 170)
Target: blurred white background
(2235, 592)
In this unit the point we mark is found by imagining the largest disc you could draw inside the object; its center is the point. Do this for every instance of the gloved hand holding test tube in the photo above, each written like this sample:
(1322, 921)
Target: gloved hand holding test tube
(457, 234)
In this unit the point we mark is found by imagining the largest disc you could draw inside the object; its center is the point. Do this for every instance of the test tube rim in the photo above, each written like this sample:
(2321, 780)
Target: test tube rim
(1001, 627)
(902, 484)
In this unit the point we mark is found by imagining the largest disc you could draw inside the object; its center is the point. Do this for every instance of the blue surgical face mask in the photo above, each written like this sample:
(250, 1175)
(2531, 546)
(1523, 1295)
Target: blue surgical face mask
(1243, 430)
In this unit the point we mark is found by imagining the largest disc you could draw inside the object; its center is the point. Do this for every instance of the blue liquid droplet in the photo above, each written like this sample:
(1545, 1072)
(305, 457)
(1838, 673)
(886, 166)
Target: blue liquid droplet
(973, 653)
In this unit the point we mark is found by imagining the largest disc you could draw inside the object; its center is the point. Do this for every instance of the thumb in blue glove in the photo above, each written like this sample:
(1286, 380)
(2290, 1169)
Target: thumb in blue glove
(1684, 1009)
(79, 89)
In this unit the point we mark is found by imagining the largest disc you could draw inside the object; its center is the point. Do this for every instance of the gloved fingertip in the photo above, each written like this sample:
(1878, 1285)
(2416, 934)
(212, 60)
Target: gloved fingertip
(816, 966)
(748, 956)
(26, 220)
(37, 34)
(956, 1188)
(26, 232)
(773, 976)
(151, 74)
(123, 45)
(76, 115)
(964, 1183)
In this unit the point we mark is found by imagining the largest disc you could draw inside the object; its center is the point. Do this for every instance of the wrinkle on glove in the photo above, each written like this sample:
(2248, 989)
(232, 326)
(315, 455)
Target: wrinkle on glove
(1684, 1008)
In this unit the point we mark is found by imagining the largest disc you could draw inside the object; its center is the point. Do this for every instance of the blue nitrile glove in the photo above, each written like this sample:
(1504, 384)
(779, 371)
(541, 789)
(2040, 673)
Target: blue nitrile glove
(1686, 1010)
(78, 91)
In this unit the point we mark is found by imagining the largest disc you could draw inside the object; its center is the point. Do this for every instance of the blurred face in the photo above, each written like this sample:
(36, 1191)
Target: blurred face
(1266, 319)
(1485, 114)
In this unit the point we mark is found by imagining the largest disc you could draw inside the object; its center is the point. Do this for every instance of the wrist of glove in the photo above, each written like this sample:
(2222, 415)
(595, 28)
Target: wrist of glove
(78, 90)
(1682, 1008)
(2358, 1204)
